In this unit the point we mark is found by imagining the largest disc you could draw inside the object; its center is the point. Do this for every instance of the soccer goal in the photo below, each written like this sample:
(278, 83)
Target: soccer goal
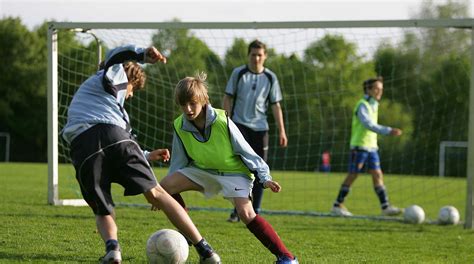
(428, 77)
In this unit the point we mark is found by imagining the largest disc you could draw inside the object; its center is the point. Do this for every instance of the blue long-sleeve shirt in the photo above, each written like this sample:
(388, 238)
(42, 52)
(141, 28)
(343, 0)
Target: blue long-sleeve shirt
(101, 97)
(240, 146)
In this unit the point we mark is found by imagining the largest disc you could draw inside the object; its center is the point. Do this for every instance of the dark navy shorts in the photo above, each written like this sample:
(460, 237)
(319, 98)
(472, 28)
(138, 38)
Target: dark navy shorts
(258, 141)
(368, 159)
(106, 154)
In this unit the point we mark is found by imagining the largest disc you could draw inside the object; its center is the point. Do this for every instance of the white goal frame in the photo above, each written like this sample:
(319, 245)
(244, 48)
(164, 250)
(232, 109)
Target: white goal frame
(442, 153)
(52, 39)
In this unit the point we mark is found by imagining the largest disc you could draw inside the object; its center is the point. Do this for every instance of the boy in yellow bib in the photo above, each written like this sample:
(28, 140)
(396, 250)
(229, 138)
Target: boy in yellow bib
(364, 148)
(211, 156)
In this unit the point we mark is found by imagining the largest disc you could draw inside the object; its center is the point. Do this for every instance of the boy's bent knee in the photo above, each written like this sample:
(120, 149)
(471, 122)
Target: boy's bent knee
(168, 184)
(155, 195)
(246, 215)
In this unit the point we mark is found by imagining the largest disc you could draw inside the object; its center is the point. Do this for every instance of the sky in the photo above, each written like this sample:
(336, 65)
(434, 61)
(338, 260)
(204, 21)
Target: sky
(34, 12)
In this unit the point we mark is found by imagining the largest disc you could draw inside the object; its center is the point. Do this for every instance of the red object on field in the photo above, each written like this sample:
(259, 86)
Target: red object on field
(325, 162)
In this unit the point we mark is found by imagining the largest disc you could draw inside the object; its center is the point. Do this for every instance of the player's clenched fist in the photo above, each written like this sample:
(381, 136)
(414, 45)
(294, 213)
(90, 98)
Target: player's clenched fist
(159, 154)
(152, 55)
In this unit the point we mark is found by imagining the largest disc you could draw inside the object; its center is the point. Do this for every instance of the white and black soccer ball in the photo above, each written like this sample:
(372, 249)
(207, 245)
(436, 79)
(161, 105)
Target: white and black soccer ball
(414, 214)
(448, 215)
(167, 246)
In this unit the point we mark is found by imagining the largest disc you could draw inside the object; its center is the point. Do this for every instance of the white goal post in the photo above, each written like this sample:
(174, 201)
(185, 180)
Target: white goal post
(469, 221)
(443, 145)
(53, 133)
(55, 66)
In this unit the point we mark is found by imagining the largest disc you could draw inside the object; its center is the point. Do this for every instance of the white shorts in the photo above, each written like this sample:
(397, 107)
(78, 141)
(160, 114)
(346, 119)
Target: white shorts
(231, 186)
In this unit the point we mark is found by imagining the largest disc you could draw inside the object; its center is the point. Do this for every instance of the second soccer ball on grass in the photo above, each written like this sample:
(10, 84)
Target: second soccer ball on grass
(448, 215)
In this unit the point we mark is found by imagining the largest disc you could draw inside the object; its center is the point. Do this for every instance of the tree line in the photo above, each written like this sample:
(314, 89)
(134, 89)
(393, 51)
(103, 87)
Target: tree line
(426, 91)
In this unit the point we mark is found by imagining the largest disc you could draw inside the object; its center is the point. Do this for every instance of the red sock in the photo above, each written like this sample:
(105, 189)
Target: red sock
(180, 200)
(269, 238)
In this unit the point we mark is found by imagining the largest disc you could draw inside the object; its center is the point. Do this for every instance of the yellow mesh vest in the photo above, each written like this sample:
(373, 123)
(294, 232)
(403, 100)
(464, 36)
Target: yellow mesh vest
(216, 153)
(361, 136)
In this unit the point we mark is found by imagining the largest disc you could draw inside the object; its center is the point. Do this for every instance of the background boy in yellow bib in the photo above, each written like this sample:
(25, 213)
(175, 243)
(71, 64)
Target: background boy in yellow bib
(364, 148)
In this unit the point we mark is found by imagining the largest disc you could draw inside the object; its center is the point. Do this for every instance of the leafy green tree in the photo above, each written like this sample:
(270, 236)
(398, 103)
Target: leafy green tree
(23, 89)
(236, 55)
(23, 110)
(187, 55)
(333, 74)
(78, 61)
(428, 73)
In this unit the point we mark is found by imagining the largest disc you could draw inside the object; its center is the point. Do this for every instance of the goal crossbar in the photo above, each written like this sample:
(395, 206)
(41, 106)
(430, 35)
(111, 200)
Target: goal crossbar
(427, 23)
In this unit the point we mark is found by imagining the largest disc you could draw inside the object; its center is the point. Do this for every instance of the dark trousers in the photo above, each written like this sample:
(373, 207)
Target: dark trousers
(258, 140)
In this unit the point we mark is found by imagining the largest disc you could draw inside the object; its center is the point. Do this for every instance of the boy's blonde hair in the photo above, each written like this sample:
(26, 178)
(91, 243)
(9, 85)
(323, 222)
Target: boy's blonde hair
(192, 89)
(135, 75)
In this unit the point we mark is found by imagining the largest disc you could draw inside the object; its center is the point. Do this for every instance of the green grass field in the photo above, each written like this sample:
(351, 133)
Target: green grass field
(32, 231)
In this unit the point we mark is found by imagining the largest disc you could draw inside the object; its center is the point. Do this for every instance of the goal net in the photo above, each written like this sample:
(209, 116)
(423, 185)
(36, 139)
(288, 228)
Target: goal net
(426, 66)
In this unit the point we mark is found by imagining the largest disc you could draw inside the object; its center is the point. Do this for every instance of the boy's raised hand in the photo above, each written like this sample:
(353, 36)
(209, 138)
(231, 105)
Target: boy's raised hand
(152, 55)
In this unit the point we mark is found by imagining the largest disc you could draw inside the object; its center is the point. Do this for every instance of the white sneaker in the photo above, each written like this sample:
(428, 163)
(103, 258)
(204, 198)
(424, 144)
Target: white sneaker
(286, 260)
(392, 211)
(112, 257)
(213, 259)
(340, 210)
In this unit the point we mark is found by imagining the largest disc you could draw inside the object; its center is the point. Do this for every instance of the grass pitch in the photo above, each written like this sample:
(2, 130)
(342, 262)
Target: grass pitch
(32, 231)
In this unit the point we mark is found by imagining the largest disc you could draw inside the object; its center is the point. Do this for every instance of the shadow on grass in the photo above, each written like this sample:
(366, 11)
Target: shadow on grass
(49, 258)
(46, 258)
(68, 216)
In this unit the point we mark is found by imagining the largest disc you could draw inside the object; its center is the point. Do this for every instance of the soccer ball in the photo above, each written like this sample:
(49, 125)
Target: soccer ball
(448, 215)
(167, 246)
(414, 214)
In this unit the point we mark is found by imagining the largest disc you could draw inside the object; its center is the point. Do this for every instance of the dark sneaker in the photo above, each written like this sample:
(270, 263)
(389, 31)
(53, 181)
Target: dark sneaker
(233, 218)
(206, 253)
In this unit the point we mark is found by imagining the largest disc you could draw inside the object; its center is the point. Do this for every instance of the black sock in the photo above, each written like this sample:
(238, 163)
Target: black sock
(111, 244)
(204, 249)
(342, 194)
(382, 194)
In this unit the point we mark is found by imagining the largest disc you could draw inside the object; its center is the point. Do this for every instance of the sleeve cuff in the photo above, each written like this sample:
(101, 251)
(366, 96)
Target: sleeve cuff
(146, 153)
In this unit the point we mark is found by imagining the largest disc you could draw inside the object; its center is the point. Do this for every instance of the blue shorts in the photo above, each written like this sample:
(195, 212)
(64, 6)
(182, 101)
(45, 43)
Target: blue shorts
(368, 159)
